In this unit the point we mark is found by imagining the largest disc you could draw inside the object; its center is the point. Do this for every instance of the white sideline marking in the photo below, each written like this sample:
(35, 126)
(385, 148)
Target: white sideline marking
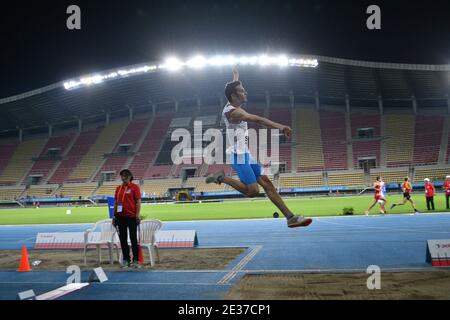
(233, 272)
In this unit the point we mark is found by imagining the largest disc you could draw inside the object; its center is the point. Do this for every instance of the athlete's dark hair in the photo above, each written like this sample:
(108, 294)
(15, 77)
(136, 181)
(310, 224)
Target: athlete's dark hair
(230, 88)
(126, 172)
(378, 178)
(406, 179)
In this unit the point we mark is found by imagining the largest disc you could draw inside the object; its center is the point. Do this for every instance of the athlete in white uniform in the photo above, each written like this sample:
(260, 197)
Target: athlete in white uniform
(248, 170)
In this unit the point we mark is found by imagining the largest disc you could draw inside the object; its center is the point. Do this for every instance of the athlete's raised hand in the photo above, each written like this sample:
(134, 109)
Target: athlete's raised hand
(235, 73)
(287, 131)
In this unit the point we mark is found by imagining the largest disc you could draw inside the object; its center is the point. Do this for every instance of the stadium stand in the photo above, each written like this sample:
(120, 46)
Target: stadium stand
(40, 191)
(11, 193)
(433, 173)
(332, 126)
(218, 167)
(160, 186)
(81, 146)
(427, 141)
(447, 155)
(107, 188)
(44, 164)
(144, 158)
(348, 178)
(115, 162)
(207, 121)
(21, 161)
(6, 152)
(76, 190)
(301, 180)
(365, 148)
(92, 159)
(179, 169)
(199, 185)
(406, 139)
(400, 140)
(389, 176)
(159, 171)
(309, 152)
(180, 122)
(282, 115)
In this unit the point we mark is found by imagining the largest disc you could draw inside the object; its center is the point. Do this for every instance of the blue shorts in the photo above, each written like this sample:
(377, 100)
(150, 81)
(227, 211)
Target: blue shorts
(246, 167)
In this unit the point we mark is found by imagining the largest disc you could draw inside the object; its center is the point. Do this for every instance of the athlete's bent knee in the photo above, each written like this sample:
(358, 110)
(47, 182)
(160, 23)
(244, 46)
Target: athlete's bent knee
(252, 192)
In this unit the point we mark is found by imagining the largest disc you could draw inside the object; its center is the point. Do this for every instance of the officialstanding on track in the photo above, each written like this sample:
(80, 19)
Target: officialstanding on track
(127, 217)
(446, 187)
(430, 192)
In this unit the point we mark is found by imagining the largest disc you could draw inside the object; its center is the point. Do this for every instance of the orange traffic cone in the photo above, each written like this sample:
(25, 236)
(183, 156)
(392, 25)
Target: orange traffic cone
(140, 255)
(24, 265)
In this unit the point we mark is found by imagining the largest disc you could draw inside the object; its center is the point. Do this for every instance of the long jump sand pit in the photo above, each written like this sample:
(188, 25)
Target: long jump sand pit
(342, 286)
(173, 259)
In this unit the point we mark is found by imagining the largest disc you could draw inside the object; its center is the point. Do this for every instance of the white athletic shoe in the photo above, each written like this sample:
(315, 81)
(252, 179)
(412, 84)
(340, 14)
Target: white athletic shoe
(215, 177)
(366, 213)
(298, 221)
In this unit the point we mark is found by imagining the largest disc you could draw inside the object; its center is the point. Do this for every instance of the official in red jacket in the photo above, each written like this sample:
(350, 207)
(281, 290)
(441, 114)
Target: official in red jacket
(430, 192)
(127, 210)
(446, 188)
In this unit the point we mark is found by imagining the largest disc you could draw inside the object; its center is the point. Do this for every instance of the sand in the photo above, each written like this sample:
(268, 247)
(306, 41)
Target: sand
(342, 286)
(174, 259)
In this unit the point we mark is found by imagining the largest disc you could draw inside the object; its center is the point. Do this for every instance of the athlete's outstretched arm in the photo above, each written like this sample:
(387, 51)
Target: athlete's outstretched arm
(239, 115)
(235, 73)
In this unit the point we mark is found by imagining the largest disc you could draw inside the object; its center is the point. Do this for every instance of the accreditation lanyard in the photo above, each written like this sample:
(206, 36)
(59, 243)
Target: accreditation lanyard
(120, 204)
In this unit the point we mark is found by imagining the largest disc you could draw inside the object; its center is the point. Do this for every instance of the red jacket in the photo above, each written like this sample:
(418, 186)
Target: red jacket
(446, 186)
(127, 196)
(429, 190)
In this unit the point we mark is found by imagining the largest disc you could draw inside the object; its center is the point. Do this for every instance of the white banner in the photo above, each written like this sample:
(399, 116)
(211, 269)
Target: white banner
(72, 240)
(438, 252)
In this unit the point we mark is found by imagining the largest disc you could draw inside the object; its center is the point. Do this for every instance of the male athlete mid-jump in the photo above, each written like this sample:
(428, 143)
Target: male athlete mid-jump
(248, 170)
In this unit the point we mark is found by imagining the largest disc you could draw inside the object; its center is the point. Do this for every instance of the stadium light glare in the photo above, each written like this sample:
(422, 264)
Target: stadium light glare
(215, 61)
(196, 62)
(264, 60)
(282, 61)
(173, 64)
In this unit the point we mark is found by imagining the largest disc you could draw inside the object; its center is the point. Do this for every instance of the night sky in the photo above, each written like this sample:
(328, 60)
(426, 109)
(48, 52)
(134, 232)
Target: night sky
(37, 49)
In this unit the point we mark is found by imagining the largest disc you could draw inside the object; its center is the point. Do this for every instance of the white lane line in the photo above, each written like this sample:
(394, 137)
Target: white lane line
(383, 228)
(236, 219)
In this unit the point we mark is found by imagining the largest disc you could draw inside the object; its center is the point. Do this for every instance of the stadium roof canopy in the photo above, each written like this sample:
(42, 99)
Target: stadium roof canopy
(331, 81)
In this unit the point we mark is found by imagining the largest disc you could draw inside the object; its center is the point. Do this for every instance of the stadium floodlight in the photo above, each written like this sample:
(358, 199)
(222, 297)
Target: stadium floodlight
(248, 60)
(215, 61)
(312, 63)
(197, 62)
(172, 64)
(263, 60)
(282, 61)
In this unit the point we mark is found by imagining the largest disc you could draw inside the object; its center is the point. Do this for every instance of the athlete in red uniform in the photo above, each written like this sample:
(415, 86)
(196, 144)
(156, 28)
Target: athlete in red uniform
(378, 187)
(430, 192)
(406, 188)
(446, 187)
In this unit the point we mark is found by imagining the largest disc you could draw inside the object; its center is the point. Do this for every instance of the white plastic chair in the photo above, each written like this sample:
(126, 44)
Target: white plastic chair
(107, 237)
(148, 229)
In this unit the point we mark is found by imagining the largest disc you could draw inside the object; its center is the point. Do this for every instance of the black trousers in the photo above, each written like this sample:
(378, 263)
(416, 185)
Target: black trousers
(447, 197)
(124, 224)
(430, 203)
